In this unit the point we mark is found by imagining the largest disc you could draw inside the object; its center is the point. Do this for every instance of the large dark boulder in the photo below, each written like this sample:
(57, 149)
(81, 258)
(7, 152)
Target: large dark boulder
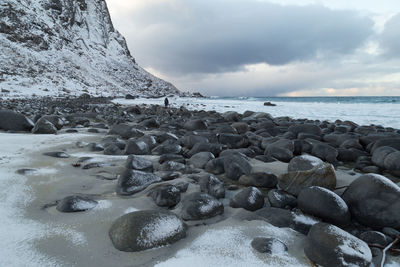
(325, 204)
(233, 140)
(195, 125)
(249, 198)
(305, 128)
(330, 246)
(167, 147)
(55, 120)
(235, 166)
(216, 149)
(146, 229)
(165, 195)
(321, 175)
(387, 158)
(374, 201)
(281, 149)
(215, 166)
(190, 140)
(325, 152)
(12, 121)
(200, 206)
(133, 181)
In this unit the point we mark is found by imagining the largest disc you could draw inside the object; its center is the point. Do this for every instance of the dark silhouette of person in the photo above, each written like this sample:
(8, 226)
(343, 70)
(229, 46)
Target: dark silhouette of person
(166, 102)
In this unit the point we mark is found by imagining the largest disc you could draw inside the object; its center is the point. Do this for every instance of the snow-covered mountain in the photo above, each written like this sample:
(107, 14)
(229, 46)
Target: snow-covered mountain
(57, 47)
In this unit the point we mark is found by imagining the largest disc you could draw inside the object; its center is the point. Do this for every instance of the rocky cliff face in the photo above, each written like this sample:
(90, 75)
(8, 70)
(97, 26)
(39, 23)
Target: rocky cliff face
(53, 47)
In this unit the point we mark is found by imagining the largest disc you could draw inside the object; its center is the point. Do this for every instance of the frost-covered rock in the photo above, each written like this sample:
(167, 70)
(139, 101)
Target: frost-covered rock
(54, 47)
(141, 230)
(75, 204)
(374, 201)
(133, 181)
(325, 204)
(200, 206)
(330, 246)
(250, 199)
(165, 195)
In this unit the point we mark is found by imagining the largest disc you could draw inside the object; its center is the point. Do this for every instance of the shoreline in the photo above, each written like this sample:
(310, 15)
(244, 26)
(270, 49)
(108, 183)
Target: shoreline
(82, 238)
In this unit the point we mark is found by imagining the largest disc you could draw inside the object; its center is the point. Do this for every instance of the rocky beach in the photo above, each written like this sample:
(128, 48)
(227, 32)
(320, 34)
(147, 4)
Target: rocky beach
(88, 182)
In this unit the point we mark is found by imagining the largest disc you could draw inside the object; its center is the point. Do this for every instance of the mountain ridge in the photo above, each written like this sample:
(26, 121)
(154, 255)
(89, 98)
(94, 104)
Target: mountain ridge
(68, 47)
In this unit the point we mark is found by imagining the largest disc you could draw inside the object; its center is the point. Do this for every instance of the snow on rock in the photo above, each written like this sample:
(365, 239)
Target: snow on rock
(146, 229)
(226, 245)
(328, 245)
(59, 47)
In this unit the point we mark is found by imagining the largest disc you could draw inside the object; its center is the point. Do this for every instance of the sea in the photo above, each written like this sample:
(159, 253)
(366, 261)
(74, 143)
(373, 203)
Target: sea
(365, 110)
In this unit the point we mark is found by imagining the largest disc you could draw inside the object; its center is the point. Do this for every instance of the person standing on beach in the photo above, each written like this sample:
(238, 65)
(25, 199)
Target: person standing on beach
(166, 102)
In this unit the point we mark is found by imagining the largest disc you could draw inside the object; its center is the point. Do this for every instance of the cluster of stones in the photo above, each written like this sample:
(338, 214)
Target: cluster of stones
(217, 152)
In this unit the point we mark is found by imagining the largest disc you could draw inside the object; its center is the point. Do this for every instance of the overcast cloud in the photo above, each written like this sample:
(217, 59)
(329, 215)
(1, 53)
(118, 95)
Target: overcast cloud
(252, 47)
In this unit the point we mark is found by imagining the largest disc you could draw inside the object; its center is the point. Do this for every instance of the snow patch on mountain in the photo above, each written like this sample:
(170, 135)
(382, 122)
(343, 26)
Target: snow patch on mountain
(68, 47)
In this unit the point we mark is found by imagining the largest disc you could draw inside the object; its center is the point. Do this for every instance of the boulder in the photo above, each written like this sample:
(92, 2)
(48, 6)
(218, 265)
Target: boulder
(55, 120)
(167, 147)
(207, 147)
(375, 237)
(325, 152)
(286, 218)
(75, 204)
(212, 185)
(146, 229)
(305, 128)
(138, 163)
(172, 157)
(190, 140)
(232, 140)
(200, 206)
(324, 204)
(259, 179)
(330, 246)
(133, 181)
(249, 198)
(136, 147)
(165, 195)
(321, 175)
(303, 163)
(280, 199)
(125, 131)
(241, 127)
(195, 125)
(200, 159)
(215, 166)
(235, 166)
(43, 126)
(387, 158)
(374, 201)
(12, 121)
(282, 150)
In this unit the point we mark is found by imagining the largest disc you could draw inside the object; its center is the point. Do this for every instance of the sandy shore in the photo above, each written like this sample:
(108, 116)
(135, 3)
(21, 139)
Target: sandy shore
(36, 234)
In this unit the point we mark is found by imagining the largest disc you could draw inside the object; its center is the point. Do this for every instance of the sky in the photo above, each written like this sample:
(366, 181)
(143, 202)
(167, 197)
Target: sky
(266, 47)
